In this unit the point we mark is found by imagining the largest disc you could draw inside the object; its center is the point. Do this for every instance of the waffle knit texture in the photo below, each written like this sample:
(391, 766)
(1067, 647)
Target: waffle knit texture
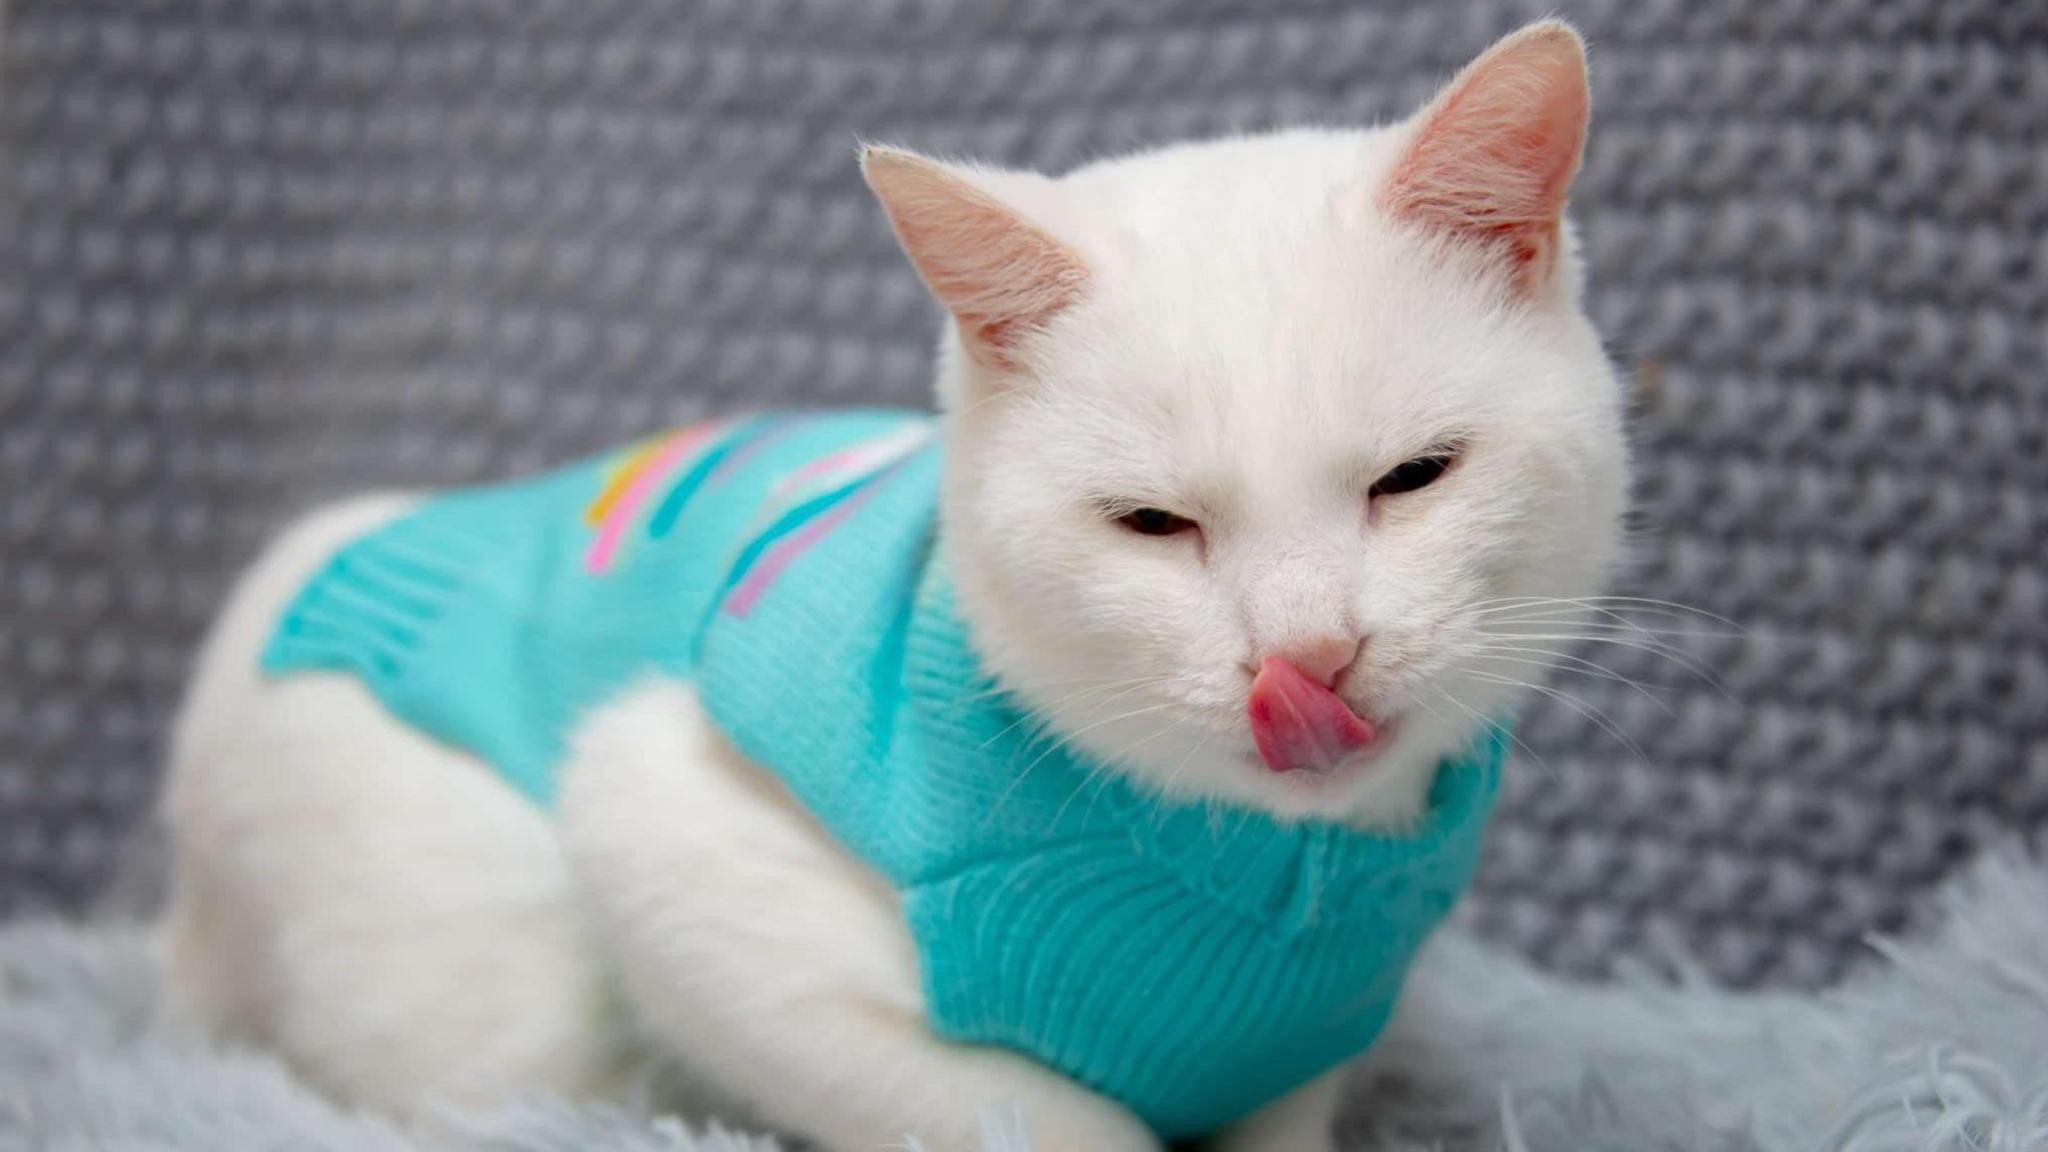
(1194, 961)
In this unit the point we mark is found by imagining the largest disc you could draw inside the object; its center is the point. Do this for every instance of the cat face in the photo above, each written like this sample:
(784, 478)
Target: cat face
(1254, 445)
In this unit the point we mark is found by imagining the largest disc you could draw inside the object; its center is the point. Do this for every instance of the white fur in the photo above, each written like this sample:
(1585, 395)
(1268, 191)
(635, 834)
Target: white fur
(384, 911)
(1252, 343)
(1257, 347)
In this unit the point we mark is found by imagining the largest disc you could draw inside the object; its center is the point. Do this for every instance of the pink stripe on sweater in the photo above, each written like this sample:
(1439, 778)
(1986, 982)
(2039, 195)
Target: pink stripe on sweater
(866, 455)
(830, 462)
(785, 551)
(620, 516)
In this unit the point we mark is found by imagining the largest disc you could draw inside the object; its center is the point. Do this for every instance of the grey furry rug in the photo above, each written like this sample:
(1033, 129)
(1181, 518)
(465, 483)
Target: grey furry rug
(1939, 1044)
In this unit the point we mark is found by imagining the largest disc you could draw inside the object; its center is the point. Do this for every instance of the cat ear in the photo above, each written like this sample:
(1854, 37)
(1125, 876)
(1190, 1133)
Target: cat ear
(999, 274)
(1492, 157)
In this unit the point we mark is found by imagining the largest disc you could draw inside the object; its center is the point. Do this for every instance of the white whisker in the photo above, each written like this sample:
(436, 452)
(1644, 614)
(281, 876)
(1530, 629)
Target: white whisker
(1103, 771)
(1492, 725)
(1566, 662)
(1070, 737)
(1127, 687)
(1605, 723)
(1610, 606)
(1166, 785)
(1650, 646)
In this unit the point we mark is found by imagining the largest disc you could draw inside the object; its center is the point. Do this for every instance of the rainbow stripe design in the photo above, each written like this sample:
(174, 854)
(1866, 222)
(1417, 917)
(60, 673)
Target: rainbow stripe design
(847, 468)
(646, 491)
(808, 504)
(673, 463)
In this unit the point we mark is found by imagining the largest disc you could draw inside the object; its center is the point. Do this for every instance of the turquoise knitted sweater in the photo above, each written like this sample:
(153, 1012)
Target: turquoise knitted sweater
(1192, 960)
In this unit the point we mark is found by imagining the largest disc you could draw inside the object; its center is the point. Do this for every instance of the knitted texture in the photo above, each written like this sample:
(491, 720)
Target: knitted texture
(494, 617)
(1194, 961)
(255, 254)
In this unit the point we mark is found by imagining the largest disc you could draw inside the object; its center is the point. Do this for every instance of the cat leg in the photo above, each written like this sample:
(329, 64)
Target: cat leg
(1304, 1120)
(383, 910)
(770, 965)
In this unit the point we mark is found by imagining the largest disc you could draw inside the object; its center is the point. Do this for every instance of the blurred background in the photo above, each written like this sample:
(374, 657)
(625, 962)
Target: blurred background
(257, 253)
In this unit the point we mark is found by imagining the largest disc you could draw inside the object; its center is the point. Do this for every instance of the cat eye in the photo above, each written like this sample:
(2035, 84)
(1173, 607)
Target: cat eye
(1155, 522)
(1420, 472)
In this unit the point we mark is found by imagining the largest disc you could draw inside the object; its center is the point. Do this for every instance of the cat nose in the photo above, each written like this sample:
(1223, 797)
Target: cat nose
(1321, 658)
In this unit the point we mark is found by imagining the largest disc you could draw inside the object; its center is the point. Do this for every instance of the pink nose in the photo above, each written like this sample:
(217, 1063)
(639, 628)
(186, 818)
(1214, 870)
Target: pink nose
(1321, 658)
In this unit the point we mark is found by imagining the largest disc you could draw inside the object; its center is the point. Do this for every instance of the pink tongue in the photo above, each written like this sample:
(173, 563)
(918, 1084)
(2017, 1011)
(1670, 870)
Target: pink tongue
(1298, 723)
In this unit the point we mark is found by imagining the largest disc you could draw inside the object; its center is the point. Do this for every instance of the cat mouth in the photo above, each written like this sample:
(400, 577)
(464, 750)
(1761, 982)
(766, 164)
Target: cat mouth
(1299, 726)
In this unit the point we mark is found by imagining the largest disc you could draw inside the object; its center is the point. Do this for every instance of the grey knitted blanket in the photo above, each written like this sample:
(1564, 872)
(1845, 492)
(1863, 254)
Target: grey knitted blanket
(255, 253)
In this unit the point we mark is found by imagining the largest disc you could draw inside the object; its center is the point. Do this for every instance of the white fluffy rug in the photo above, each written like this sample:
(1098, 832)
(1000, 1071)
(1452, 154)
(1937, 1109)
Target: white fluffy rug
(1940, 1044)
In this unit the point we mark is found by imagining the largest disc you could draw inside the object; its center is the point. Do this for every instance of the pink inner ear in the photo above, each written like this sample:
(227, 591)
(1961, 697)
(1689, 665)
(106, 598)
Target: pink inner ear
(1493, 157)
(996, 272)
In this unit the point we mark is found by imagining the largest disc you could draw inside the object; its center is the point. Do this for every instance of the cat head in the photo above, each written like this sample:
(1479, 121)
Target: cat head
(1258, 448)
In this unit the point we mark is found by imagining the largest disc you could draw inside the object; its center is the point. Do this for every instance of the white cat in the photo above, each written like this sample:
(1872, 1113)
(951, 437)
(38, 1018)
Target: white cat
(1320, 396)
